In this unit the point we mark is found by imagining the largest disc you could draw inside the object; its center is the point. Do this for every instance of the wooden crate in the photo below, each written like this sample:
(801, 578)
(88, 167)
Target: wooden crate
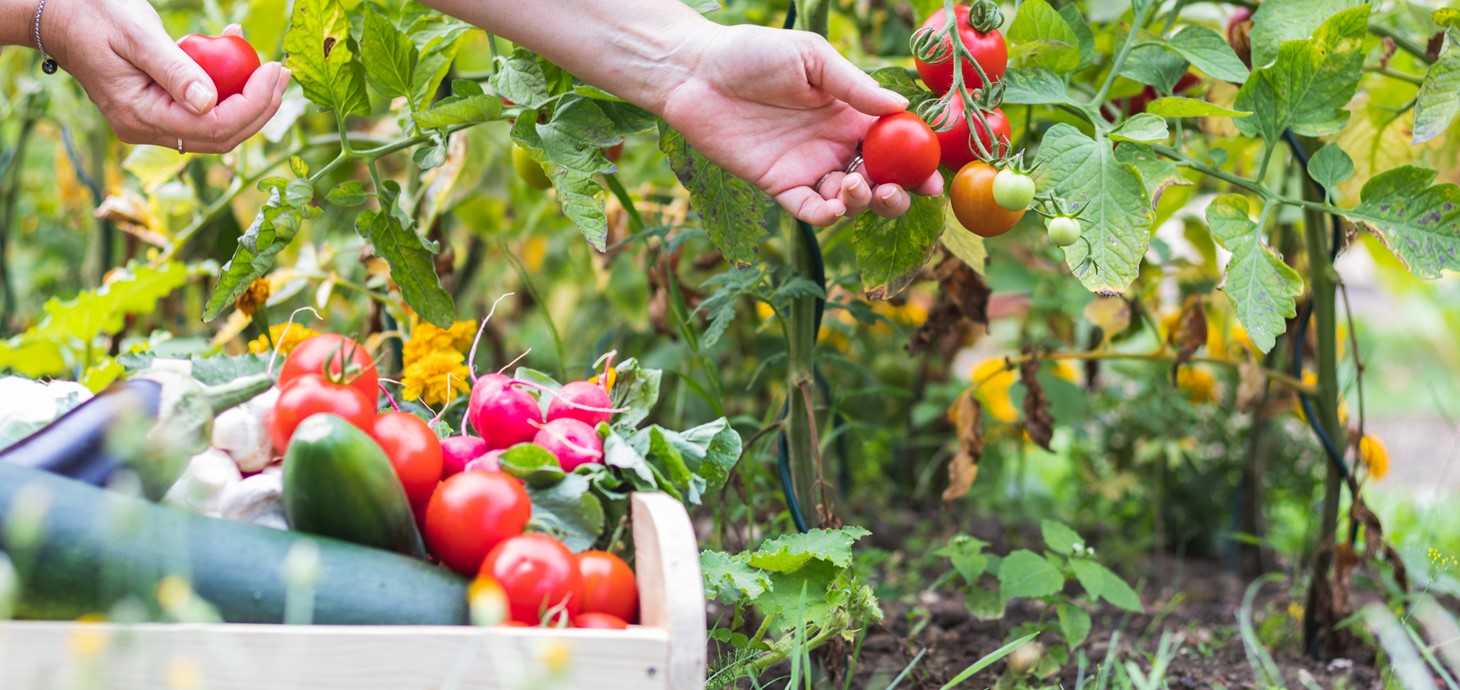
(665, 652)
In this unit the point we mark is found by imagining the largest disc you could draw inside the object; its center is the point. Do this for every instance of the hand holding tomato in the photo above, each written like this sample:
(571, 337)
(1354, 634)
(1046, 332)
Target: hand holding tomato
(146, 86)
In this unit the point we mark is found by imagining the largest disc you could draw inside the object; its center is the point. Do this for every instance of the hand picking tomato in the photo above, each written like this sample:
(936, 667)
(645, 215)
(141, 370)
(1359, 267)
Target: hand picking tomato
(900, 149)
(471, 513)
(1013, 190)
(349, 363)
(608, 585)
(228, 60)
(414, 451)
(601, 621)
(956, 145)
(988, 49)
(312, 394)
(539, 575)
(974, 204)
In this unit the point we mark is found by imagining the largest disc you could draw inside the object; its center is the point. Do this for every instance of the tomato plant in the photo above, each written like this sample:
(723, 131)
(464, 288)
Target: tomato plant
(987, 48)
(1063, 230)
(1013, 190)
(956, 145)
(228, 60)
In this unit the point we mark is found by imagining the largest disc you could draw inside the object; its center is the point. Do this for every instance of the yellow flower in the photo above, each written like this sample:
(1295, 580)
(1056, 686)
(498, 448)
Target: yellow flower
(285, 335)
(764, 312)
(612, 375)
(436, 377)
(1197, 383)
(1240, 336)
(1063, 369)
(1374, 455)
(462, 333)
(427, 338)
(534, 253)
(1311, 379)
(992, 381)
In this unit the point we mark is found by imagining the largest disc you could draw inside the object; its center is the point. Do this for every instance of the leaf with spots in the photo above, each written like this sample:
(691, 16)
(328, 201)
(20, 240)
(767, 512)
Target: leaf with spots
(1263, 288)
(1309, 85)
(891, 250)
(736, 214)
(1417, 220)
(1112, 204)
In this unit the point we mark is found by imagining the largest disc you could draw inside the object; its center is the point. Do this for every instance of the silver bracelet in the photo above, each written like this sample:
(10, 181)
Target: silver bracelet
(48, 63)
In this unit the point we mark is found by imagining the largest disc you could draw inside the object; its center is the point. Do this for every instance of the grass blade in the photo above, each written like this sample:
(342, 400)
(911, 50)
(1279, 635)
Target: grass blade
(988, 660)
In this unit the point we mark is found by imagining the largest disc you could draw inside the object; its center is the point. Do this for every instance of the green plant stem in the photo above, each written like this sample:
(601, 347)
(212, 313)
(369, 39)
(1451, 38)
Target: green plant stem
(1182, 160)
(1401, 76)
(776, 654)
(1125, 47)
(1401, 41)
(636, 221)
(1322, 291)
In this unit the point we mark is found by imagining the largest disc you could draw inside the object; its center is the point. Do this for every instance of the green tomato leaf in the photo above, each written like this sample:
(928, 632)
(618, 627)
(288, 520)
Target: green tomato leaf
(467, 104)
(903, 82)
(412, 260)
(1278, 21)
(730, 578)
(1157, 173)
(1263, 288)
(791, 552)
(891, 250)
(437, 39)
(1143, 128)
(520, 78)
(1330, 166)
(1059, 538)
(318, 44)
(1085, 37)
(581, 196)
(1035, 86)
(570, 510)
(271, 231)
(984, 604)
(1309, 85)
(1027, 574)
(735, 213)
(968, 247)
(1417, 220)
(1439, 96)
(1111, 202)
(1176, 107)
(1074, 624)
(1099, 582)
(348, 193)
(1209, 52)
(1037, 22)
(389, 56)
(1153, 65)
(1448, 17)
(533, 464)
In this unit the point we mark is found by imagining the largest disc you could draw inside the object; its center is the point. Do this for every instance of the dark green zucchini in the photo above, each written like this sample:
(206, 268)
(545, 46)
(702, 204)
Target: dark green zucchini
(79, 549)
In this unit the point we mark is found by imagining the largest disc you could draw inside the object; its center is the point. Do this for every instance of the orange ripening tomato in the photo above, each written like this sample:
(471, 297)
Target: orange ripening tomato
(974, 204)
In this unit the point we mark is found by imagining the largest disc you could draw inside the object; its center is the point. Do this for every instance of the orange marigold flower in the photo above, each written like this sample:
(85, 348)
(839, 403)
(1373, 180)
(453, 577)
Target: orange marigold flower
(285, 337)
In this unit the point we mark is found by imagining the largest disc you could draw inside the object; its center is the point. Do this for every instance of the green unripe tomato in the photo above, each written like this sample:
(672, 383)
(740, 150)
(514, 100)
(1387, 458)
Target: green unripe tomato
(528, 169)
(1063, 231)
(1013, 190)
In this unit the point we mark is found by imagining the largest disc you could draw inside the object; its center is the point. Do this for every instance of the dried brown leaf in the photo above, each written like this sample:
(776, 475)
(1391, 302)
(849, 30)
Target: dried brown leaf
(962, 297)
(1189, 333)
(1038, 422)
(967, 417)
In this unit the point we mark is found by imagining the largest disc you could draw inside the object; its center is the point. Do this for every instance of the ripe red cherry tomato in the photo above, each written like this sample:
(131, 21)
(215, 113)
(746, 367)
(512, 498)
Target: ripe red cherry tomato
(228, 60)
(900, 149)
(349, 363)
(538, 573)
(312, 394)
(988, 49)
(414, 451)
(471, 513)
(608, 585)
(601, 621)
(956, 146)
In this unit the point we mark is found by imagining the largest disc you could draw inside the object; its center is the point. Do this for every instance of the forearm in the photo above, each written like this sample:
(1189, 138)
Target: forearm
(16, 21)
(632, 48)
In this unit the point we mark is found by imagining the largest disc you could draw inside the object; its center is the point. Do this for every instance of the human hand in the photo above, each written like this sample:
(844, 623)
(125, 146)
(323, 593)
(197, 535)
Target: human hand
(148, 89)
(785, 111)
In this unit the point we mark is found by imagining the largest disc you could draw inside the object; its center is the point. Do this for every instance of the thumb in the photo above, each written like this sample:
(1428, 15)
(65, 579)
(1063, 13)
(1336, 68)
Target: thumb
(845, 81)
(175, 71)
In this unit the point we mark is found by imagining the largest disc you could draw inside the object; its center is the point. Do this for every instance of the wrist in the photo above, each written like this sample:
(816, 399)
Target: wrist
(17, 22)
(672, 58)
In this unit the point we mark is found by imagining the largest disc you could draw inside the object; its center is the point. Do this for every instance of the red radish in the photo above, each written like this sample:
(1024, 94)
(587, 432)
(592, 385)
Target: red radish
(487, 462)
(458, 451)
(573, 442)
(502, 413)
(583, 401)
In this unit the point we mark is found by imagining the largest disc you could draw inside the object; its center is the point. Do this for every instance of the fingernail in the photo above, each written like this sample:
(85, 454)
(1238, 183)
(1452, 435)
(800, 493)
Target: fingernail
(887, 194)
(198, 97)
(901, 99)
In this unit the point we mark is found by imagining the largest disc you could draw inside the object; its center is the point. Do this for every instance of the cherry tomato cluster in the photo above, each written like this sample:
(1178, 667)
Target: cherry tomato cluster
(474, 516)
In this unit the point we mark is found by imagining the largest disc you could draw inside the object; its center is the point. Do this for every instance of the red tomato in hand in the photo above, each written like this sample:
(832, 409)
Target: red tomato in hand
(539, 574)
(312, 394)
(988, 49)
(228, 60)
(414, 451)
(471, 513)
(956, 146)
(601, 621)
(900, 149)
(349, 363)
(974, 204)
(608, 585)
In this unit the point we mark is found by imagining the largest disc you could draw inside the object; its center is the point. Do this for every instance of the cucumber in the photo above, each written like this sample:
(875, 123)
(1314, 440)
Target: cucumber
(91, 548)
(339, 483)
